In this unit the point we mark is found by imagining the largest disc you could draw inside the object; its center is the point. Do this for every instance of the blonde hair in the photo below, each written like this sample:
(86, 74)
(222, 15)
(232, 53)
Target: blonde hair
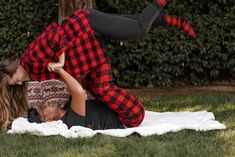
(13, 98)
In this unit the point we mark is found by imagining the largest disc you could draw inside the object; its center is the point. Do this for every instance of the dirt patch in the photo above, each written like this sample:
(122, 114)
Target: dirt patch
(185, 90)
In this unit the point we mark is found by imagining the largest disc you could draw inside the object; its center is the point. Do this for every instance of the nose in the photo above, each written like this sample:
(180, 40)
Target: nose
(48, 119)
(19, 83)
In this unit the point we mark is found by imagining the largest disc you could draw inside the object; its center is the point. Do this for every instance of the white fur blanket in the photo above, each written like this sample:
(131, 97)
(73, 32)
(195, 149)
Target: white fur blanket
(154, 123)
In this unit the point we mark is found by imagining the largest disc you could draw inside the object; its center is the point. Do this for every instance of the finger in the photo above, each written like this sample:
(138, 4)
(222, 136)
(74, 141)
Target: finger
(53, 67)
(49, 68)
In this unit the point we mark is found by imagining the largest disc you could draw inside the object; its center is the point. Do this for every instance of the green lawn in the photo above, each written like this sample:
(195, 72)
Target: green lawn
(185, 143)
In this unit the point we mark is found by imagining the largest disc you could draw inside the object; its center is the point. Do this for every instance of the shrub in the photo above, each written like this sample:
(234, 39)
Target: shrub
(159, 59)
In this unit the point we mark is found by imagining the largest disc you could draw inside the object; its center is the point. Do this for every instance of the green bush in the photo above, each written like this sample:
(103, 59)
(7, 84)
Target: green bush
(159, 59)
(167, 55)
(21, 22)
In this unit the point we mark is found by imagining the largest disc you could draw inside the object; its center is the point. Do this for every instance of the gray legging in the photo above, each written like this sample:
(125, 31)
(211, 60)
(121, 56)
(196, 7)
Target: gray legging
(124, 27)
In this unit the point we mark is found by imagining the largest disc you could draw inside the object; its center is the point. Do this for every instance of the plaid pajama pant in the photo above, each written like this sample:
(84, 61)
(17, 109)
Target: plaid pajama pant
(99, 83)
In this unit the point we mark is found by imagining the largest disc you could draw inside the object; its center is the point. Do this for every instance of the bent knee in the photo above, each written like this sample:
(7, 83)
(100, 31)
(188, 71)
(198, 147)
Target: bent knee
(135, 120)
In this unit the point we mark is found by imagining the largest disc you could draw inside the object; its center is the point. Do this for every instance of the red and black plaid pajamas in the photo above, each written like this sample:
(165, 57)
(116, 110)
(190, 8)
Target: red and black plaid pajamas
(85, 57)
(100, 84)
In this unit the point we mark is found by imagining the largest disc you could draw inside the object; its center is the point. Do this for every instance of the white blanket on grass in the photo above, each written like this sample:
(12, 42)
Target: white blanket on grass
(154, 123)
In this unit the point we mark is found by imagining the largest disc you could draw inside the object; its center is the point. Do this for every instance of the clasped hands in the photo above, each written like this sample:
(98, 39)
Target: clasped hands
(53, 66)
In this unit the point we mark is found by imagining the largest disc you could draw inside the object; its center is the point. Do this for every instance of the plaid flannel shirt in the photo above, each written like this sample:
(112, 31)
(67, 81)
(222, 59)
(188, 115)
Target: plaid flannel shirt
(83, 51)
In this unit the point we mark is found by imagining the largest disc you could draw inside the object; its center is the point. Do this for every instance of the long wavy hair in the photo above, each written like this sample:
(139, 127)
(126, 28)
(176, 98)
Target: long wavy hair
(13, 98)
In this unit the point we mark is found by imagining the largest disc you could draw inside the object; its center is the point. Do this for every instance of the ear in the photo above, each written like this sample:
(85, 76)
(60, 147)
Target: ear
(19, 68)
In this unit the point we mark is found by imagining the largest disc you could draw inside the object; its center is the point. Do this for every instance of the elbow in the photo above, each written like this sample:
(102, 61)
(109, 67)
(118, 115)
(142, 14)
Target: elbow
(80, 93)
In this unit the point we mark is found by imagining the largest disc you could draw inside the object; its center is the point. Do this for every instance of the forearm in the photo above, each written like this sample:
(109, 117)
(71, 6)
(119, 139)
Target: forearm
(73, 85)
(78, 102)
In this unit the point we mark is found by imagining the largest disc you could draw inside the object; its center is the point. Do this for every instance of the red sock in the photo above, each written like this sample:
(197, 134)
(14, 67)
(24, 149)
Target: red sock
(161, 2)
(180, 23)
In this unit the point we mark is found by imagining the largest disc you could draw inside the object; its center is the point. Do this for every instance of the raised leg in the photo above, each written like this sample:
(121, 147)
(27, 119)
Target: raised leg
(125, 28)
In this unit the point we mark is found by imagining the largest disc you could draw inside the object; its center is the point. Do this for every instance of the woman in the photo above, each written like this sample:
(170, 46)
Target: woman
(77, 111)
(13, 99)
(77, 45)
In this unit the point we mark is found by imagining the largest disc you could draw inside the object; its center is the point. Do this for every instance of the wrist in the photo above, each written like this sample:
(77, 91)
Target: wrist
(61, 63)
(59, 70)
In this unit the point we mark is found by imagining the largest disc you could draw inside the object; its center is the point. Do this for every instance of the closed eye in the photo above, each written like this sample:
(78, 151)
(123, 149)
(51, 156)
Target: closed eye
(41, 114)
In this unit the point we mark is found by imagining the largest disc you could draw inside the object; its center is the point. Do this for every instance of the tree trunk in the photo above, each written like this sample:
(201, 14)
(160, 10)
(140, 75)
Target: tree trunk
(67, 7)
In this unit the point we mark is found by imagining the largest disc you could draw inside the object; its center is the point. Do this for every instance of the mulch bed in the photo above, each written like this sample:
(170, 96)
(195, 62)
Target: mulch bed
(183, 90)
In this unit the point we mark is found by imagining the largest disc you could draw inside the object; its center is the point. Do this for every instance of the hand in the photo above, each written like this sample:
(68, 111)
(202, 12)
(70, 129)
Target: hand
(54, 66)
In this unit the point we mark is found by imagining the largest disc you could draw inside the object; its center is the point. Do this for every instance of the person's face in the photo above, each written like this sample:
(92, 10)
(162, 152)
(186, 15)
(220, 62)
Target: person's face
(18, 77)
(50, 112)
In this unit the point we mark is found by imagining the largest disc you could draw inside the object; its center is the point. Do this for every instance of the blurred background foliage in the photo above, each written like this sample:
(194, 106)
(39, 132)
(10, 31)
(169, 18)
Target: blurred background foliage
(162, 58)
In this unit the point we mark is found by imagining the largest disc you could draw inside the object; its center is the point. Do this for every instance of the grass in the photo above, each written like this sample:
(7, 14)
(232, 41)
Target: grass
(181, 144)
